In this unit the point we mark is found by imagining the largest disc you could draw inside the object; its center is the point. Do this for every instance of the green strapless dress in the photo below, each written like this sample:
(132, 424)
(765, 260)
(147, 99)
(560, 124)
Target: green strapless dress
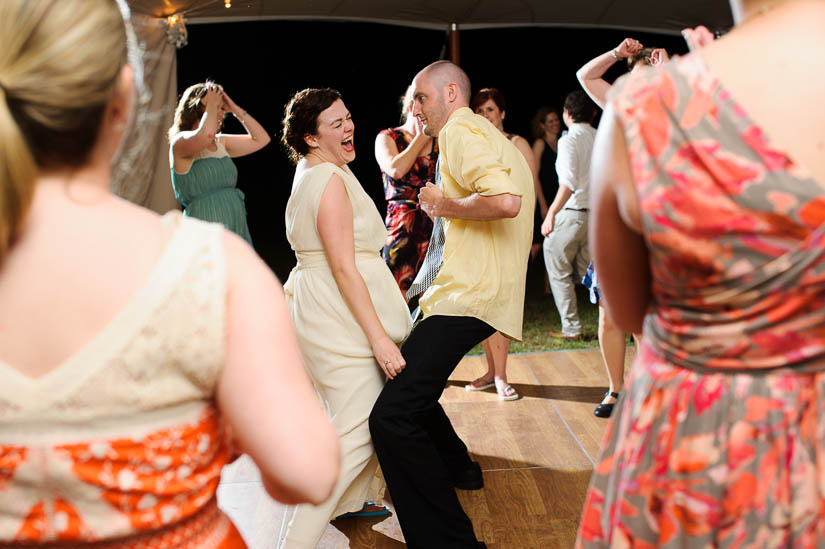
(208, 191)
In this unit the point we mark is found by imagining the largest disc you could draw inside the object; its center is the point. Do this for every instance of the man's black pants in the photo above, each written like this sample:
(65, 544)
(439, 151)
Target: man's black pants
(416, 444)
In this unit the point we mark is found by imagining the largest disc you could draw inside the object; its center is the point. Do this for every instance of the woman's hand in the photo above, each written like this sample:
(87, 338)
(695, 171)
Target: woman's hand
(230, 105)
(418, 129)
(548, 225)
(388, 356)
(628, 47)
(211, 97)
(698, 37)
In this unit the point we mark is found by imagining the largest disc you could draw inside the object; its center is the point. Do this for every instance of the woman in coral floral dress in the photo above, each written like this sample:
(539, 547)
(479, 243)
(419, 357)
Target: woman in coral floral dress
(709, 229)
(131, 345)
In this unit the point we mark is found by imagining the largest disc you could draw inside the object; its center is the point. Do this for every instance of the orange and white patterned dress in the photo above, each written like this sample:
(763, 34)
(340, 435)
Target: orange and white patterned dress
(122, 445)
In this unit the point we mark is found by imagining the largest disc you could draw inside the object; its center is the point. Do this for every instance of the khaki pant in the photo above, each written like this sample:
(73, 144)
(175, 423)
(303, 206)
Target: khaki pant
(567, 255)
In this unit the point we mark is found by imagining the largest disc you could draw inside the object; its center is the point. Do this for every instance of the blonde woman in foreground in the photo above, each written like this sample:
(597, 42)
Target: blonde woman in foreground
(131, 344)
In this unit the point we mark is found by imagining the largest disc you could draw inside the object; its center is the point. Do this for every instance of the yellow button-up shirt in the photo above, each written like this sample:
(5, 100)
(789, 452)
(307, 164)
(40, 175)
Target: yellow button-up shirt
(484, 266)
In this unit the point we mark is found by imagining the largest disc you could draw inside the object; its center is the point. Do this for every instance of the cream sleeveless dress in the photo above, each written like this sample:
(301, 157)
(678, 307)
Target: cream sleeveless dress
(336, 351)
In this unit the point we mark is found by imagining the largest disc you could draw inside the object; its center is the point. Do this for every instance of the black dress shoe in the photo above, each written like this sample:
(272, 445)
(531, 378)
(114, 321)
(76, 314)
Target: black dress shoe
(469, 479)
(604, 410)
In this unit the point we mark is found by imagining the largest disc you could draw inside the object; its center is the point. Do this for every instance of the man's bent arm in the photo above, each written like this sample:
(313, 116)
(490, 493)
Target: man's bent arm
(477, 207)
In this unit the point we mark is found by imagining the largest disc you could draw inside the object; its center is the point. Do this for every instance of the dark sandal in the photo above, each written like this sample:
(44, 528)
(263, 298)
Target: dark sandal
(604, 410)
(370, 509)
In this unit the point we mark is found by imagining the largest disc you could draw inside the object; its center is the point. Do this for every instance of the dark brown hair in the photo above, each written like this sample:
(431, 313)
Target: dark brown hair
(301, 118)
(484, 94)
(579, 106)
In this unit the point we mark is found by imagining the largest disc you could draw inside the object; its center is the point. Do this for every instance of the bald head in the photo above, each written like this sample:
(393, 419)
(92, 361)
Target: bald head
(438, 91)
(442, 73)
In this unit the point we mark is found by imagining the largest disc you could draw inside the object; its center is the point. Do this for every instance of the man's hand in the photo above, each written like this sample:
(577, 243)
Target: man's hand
(428, 197)
(549, 221)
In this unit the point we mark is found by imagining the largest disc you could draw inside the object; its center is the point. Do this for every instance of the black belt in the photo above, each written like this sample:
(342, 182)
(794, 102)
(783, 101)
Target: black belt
(576, 209)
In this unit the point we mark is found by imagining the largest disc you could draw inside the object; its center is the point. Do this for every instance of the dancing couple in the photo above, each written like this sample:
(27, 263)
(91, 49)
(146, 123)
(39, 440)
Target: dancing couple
(341, 288)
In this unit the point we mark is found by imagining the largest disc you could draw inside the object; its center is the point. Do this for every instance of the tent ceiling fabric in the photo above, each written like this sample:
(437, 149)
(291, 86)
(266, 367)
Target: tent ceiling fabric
(643, 15)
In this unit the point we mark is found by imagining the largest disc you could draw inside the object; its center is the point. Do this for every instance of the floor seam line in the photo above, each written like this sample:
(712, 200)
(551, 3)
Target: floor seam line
(556, 409)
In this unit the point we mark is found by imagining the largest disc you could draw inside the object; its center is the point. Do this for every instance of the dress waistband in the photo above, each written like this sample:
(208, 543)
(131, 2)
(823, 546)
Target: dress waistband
(208, 528)
(200, 196)
(309, 260)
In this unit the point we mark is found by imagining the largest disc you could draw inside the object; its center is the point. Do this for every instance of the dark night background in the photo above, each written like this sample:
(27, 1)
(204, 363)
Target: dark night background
(260, 64)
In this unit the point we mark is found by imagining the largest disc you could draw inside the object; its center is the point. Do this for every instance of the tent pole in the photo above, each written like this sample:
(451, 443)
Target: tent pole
(455, 45)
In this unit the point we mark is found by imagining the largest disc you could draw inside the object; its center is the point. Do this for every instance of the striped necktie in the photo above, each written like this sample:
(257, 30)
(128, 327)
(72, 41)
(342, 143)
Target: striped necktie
(435, 251)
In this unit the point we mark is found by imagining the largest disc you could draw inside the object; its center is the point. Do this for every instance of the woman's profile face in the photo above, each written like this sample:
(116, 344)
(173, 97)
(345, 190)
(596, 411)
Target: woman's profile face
(552, 124)
(491, 112)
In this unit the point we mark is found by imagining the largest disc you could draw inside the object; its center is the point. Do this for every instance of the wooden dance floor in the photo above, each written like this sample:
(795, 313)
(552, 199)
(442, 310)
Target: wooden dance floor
(537, 454)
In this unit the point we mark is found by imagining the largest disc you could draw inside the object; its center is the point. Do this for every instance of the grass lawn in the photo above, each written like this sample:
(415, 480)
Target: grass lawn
(541, 316)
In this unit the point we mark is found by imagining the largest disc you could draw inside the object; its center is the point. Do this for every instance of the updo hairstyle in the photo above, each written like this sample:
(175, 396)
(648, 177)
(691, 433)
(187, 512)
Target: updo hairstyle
(301, 118)
(642, 57)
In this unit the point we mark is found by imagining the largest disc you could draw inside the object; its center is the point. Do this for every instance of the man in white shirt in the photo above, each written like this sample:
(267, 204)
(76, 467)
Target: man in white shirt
(566, 253)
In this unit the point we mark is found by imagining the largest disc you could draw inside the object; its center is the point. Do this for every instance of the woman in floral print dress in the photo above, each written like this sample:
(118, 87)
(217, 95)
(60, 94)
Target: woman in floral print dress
(709, 229)
(407, 159)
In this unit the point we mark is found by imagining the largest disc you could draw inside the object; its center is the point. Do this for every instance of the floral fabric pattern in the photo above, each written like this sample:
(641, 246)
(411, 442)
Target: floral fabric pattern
(719, 437)
(408, 227)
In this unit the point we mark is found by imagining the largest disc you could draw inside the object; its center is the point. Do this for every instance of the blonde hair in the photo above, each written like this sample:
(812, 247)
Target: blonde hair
(406, 101)
(190, 109)
(59, 63)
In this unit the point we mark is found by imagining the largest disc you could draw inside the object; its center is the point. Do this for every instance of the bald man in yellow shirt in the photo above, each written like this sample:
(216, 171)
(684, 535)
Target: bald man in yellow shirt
(473, 282)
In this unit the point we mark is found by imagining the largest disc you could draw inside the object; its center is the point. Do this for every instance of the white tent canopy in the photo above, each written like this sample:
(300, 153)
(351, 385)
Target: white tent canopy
(664, 16)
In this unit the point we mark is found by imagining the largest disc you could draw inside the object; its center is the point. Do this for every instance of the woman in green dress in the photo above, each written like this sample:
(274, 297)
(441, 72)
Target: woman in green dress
(204, 177)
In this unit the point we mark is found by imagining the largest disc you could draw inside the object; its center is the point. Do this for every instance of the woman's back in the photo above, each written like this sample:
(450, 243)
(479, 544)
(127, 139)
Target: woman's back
(131, 347)
(83, 256)
(731, 221)
(110, 427)
(705, 447)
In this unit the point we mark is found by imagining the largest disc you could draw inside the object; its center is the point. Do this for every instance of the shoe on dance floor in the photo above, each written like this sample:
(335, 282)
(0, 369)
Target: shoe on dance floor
(370, 509)
(479, 385)
(506, 391)
(604, 410)
(469, 479)
(564, 335)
